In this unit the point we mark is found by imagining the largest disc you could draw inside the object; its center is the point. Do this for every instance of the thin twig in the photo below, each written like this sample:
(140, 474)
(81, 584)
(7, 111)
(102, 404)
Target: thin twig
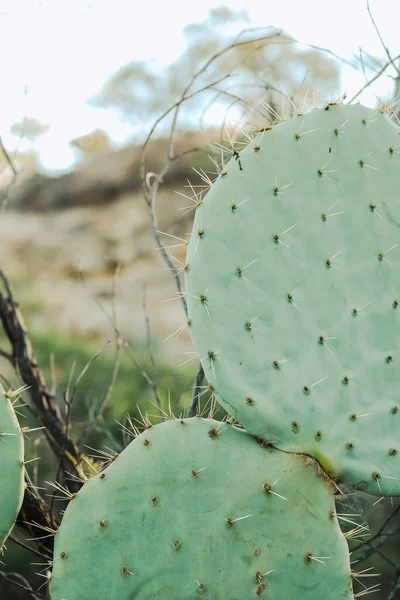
(85, 370)
(35, 510)
(119, 343)
(103, 405)
(378, 542)
(373, 79)
(381, 39)
(152, 384)
(381, 529)
(6, 355)
(68, 404)
(32, 550)
(151, 354)
(25, 586)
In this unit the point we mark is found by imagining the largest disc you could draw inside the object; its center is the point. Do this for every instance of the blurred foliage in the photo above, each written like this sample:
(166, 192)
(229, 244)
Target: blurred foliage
(29, 128)
(140, 91)
(93, 143)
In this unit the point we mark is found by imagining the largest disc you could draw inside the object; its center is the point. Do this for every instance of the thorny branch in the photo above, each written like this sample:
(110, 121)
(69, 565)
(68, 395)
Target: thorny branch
(386, 49)
(25, 364)
(373, 79)
(34, 508)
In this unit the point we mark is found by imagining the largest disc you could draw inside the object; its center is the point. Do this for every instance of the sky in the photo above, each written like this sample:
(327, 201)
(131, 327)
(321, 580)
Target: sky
(58, 54)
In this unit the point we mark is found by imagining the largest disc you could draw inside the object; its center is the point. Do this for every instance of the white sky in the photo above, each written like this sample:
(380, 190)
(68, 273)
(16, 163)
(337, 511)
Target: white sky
(57, 54)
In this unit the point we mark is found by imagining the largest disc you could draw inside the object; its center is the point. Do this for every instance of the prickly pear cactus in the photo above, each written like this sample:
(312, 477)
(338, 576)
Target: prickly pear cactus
(196, 507)
(292, 279)
(12, 466)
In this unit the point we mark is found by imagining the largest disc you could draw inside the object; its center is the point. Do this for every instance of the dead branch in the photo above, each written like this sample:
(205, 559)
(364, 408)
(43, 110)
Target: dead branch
(386, 49)
(103, 405)
(23, 586)
(35, 510)
(373, 79)
(25, 364)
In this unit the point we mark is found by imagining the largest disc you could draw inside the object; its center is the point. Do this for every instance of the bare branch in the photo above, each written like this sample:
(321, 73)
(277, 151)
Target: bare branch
(85, 369)
(12, 538)
(119, 343)
(381, 40)
(35, 510)
(152, 384)
(378, 539)
(25, 363)
(117, 362)
(24, 586)
(373, 79)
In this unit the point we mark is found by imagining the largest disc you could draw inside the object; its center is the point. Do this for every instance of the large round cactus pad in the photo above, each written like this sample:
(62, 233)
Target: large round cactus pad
(12, 467)
(197, 507)
(293, 288)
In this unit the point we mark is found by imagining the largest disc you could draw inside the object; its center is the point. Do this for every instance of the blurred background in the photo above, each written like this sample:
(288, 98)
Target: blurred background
(82, 85)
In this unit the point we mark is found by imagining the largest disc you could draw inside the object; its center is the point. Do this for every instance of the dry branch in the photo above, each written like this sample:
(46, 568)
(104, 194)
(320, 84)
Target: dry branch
(27, 369)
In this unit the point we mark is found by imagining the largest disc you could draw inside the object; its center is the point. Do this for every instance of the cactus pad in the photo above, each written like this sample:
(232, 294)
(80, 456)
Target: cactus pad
(12, 471)
(292, 277)
(195, 507)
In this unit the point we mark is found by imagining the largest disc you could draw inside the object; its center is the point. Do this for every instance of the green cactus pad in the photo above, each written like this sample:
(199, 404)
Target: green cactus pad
(293, 289)
(170, 518)
(12, 467)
